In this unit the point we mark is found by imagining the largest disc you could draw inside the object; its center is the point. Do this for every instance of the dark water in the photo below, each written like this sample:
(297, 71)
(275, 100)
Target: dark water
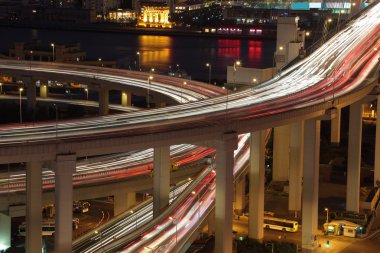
(159, 52)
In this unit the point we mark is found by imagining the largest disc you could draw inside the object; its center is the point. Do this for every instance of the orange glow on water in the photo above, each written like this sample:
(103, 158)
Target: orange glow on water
(154, 49)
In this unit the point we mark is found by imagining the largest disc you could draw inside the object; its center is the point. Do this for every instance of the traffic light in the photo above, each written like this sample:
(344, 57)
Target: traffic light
(328, 244)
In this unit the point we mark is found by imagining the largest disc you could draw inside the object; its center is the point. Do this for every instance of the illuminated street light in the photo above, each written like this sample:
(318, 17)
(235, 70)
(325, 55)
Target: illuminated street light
(100, 62)
(135, 217)
(327, 215)
(176, 229)
(209, 72)
(329, 20)
(307, 34)
(150, 78)
(20, 91)
(1, 88)
(138, 56)
(53, 46)
(281, 48)
(86, 90)
(184, 83)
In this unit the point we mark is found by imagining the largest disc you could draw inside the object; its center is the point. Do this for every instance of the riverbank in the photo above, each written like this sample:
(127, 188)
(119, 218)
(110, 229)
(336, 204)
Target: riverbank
(122, 28)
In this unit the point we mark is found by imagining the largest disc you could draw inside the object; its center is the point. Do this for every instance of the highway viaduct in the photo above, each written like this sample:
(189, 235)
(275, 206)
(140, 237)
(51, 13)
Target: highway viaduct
(303, 122)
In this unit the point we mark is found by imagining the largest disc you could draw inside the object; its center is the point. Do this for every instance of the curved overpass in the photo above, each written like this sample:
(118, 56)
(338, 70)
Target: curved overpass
(337, 77)
(305, 90)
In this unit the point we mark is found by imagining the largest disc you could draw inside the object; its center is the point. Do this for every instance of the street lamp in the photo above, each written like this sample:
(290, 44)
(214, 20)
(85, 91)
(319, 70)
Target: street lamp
(138, 56)
(86, 90)
(135, 217)
(209, 72)
(236, 64)
(184, 83)
(150, 78)
(100, 62)
(176, 229)
(327, 215)
(178, 67)
(20, 91)
(280, 48)
(1, 88)
(53, 46)
(31, 58)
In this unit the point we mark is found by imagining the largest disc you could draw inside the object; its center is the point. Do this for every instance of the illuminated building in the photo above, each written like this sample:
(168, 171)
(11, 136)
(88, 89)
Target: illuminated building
(154, 15)
(121, 15)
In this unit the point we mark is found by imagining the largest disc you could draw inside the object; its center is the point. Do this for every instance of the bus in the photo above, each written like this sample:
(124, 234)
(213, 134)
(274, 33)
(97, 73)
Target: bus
(280, 224)
(48, 227)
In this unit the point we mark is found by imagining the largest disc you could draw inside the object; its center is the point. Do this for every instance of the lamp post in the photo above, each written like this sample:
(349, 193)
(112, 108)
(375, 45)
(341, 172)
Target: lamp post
(100, 62)
(1, 88)
(280, 48)
(86, 90)
(20, 91)
(135, 217)
(31, 58)
(138, 59)
(209, 72)
(176, 229)
(184, 83)
(150, 78)
(53, 46)
(327, 215)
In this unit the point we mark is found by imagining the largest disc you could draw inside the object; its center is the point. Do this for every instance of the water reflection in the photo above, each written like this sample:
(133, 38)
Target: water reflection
(155, 50)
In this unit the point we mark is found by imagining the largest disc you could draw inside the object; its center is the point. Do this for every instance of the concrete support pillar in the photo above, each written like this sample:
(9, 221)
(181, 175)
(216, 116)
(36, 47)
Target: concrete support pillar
(126, 98)
(295, 170)
(310, 184)
(281, 142)
(335, 128)
(31, 95)
(5, 231)
(33, 207)
(354, 157)
(377, 145)
(161, 179)
(211, 223)
(225, 147)
(65, 166)
(256, 186)
(123, 201)
(43, 91)
(240, 195)
(103, 101)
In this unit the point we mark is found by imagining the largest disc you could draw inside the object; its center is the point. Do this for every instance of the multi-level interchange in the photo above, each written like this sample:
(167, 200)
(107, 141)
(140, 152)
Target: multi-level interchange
(342, 72)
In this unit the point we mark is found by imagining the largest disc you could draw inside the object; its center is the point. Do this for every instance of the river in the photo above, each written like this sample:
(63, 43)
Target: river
(159, 52)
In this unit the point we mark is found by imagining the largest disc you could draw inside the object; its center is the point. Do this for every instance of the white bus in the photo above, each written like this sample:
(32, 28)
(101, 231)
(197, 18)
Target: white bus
(280, 224)
(48, 227)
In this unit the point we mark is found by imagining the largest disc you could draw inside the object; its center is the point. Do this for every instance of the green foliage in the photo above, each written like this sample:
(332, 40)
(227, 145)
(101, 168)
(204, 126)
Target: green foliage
(249, 245)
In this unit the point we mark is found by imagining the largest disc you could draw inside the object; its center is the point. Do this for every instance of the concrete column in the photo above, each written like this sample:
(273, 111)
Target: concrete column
(240, 195)
(161, 179)
(256, 186)
(5, 231)
(354, 157)
(65, 166)
(123, 201)
(295, 171)
(377, 145)
(225, 147)
(211, 223)
(335, 128)
(33, 207)
(126, 98)
(103, 101)
(310, 185)
(43, 91)
(31, 95)
(281, 142)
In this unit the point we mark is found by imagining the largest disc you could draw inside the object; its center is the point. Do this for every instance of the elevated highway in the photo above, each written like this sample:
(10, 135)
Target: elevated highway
(335, 75)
